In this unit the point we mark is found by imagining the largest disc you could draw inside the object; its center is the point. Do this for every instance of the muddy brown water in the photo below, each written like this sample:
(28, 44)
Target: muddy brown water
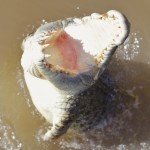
(21, 126)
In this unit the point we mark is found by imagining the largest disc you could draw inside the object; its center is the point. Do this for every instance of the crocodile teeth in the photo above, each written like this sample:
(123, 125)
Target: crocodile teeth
(83, 43)
(64, 58)
(76, 46)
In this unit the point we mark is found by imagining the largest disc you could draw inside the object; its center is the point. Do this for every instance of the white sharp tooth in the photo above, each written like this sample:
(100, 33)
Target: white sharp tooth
(78, 21)
(48, 55)
(86, 18)
(44, 38)
(95, 16)
(40, 42)
(45, 46)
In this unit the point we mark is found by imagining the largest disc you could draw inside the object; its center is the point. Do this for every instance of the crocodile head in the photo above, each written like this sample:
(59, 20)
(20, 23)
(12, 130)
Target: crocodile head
(71, 54)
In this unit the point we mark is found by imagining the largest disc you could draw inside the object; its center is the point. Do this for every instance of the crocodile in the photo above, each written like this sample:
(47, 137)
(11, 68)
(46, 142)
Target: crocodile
(64, 62)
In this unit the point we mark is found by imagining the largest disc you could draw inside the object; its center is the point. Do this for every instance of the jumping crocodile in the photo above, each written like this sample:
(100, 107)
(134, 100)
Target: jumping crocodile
(63, 62)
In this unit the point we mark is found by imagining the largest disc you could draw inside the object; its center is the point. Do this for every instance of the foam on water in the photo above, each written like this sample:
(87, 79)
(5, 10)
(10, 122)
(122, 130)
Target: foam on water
(8, 138)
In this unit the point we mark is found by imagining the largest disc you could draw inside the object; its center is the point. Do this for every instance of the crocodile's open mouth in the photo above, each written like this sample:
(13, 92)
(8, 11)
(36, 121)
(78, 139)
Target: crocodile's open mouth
(85, 44)
(67, 54)
(75, 48)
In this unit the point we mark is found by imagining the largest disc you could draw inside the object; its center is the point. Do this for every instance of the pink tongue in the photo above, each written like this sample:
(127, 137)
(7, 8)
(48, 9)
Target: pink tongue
(66, 47)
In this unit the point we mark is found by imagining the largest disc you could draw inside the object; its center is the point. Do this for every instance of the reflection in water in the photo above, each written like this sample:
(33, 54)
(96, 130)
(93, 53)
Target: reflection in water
(21, 126)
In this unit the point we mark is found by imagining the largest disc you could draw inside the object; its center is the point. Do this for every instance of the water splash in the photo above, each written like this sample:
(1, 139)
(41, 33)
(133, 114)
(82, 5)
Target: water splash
(8, 139)
(131, 47)
(21, 83)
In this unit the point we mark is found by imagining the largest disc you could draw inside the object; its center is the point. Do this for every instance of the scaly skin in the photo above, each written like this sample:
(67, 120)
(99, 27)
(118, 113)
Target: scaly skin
(62, 98)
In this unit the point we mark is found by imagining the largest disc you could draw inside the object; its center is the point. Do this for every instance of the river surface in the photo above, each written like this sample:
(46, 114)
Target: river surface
(21, 126)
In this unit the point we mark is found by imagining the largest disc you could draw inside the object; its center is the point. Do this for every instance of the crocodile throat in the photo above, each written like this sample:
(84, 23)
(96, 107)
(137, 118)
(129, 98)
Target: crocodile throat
(66, 53)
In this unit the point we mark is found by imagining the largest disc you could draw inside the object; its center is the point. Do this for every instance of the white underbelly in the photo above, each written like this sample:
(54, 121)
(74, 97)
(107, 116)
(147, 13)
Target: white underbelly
(43, 94)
